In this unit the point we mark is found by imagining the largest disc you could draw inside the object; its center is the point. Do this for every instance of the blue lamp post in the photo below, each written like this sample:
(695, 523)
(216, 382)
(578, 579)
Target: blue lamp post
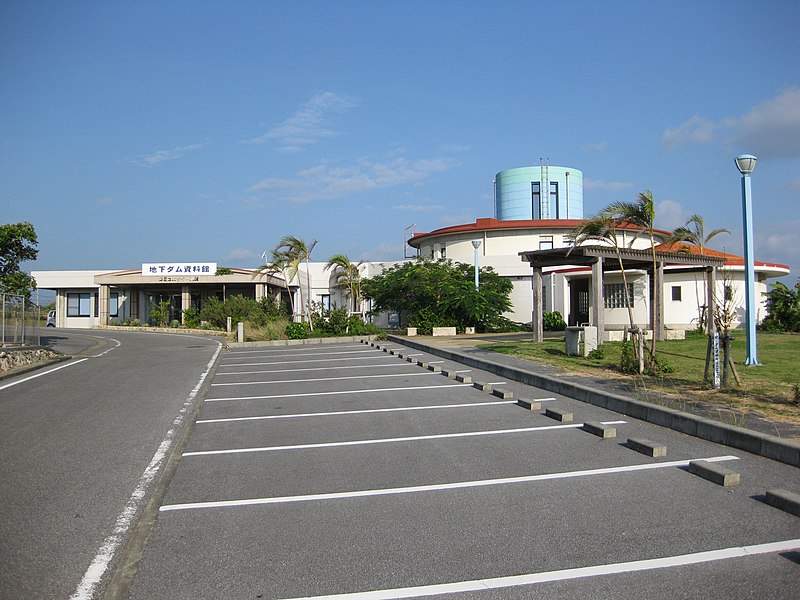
(476, 244)
(746, 163)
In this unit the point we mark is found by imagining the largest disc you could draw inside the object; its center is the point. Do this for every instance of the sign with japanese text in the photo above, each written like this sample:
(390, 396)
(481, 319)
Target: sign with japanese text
(178, 269)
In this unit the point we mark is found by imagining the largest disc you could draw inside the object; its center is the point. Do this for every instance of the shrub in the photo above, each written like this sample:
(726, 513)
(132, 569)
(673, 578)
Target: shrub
(297, 331)
(191, 317)
(598, 353)
(553, 321)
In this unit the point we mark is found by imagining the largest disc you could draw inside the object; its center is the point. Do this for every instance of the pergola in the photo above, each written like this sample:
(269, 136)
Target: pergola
(605, 258)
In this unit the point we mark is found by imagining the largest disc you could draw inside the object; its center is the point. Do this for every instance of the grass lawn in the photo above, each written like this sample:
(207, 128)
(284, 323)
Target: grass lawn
(768, 390)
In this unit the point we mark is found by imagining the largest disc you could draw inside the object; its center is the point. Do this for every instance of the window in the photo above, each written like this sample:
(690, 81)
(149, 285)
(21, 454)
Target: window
(536, 200)
(443, 251)
(113, 305)
(615, 295)
(553, 199)
(676, 293)
(728, 293)
(79, 305)
(325, 299)
(546, 242)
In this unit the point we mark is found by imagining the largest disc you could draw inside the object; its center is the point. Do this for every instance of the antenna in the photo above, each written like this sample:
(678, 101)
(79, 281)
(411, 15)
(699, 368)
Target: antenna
(407, 235)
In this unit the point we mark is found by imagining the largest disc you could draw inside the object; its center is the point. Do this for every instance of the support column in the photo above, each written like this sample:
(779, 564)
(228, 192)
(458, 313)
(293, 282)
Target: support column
(259, 293)
(658, 329)
(186, 300)
(597, 311)
(102, 299)
(711, 307)
(536, 312)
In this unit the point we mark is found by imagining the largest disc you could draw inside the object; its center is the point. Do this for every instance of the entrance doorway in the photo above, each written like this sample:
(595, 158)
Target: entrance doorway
(578, 302)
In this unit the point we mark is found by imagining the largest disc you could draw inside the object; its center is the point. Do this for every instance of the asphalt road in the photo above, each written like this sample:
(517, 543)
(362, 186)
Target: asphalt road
(82, 444)
(345, 471)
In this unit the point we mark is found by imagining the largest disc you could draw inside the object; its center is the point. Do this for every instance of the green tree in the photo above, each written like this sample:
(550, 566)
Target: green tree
(641, 214)
(694, 233)
(348, 277)
(17, 244)
(293, 252)
(278, 264)
(783, 307)
(440, 292)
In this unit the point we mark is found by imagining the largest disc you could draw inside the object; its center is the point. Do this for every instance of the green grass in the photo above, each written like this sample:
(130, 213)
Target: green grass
(768, 389)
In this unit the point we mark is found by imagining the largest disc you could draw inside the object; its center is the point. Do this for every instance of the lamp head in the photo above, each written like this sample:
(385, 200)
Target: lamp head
(476, 244)
(745, 163)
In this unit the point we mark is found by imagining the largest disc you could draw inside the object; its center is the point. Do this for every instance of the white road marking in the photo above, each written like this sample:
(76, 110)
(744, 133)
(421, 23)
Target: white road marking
(310, 394)
(42, 373)
(300, 352)
(424, 373)
(437, 487)
(566, 574)
(394, 364)
(125, 520)
(354, 412)
(416, 438)
(294, 362)
(294, 355)
(117, 342)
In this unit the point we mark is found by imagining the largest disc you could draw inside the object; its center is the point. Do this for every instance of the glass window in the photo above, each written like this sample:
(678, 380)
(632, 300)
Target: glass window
(676, 293)
(325, 299)
(79, 305)
(113, 304)
(536, 200)
(615, 295)
(553, 199)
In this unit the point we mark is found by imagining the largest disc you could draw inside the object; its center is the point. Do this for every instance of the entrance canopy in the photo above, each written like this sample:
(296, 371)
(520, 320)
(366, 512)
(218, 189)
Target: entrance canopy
(607, 258)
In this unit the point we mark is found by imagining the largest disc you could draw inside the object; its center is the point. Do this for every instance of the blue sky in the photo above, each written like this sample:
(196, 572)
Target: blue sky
(205, 131)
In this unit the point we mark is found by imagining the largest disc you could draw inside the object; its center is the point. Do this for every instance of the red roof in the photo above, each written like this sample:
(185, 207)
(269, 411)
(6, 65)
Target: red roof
(481, 225)
(730, 259)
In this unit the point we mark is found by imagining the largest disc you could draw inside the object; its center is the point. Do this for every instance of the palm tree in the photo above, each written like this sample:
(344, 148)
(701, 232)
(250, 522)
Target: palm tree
(348, 276)
(694, 233)
(604, 229)
(277, 264)
(294, 251)
(641, 214)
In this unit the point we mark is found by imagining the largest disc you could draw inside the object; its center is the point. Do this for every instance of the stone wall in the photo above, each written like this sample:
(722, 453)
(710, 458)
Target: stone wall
(15, 358)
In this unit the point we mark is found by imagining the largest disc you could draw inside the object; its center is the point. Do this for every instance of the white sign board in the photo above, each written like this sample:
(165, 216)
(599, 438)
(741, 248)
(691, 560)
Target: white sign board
(178, 269)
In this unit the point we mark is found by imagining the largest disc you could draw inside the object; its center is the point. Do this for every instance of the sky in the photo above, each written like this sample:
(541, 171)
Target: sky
(206, 131)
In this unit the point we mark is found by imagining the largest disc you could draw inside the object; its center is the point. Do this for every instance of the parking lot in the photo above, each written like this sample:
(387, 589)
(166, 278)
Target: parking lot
(382, 472)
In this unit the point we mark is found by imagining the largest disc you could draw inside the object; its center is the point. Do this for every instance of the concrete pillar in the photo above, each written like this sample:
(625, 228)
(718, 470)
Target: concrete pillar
(711, 273)
(658, 329)
(259, 293)
(597, 311)
(536, 313)
(186, 299)
(103, 298)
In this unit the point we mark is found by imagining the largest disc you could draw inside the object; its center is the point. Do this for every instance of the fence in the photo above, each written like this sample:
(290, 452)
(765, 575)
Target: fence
(20, 321)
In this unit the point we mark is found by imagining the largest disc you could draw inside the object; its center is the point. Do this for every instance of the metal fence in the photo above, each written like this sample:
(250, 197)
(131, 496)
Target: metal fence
(20, 321)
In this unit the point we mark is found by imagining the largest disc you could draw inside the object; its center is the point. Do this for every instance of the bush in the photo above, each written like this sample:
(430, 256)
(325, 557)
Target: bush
(598, 353)
(297, 331)
(191, 317)
(553, 321)
(241, 309)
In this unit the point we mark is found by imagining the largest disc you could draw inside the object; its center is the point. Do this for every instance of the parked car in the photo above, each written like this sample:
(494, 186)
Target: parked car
(51, 318)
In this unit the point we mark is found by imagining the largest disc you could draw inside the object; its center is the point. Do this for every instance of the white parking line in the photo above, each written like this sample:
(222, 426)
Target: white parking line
(393, 364)
(24, 379)
(424, 373)
(566, 574)
(311, 394)
(307, 353)
(318, 360)
(438, 487)
(416, 438)
(299, 352)
(354, 412)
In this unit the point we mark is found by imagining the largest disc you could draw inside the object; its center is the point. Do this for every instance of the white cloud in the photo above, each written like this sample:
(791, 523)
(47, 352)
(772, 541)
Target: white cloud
(669, 215)
(151, 160)
(309, 124)
(455, 148)
(770, 129)
(598, 148)
(323, 181)
(609, 186)
(417, 207)
(696, 129)
(239, 255)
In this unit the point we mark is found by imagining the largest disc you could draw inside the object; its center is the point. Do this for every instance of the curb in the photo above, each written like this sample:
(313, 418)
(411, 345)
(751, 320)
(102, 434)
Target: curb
(768, 446)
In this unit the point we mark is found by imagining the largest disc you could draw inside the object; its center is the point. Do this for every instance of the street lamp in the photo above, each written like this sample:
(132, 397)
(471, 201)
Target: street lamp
(746, 163)
(476, 244)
